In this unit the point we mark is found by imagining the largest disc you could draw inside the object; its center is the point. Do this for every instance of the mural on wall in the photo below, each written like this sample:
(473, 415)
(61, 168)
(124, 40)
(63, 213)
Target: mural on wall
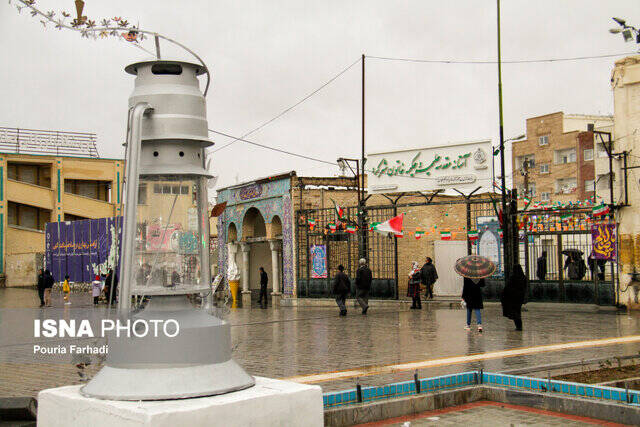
(271, 199)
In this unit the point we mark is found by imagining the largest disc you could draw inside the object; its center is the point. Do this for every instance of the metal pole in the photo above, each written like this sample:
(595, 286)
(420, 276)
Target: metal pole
(157, 39)
(626, 188)
(610, 170)
(506, 241)
(363, 234)
(129, 221)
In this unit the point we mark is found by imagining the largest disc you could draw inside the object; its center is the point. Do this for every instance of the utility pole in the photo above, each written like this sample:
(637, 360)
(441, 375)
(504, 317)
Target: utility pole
(362, 235)
(506, 229)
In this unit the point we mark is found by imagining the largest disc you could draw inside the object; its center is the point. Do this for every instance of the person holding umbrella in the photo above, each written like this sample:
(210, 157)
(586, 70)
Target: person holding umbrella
(474, 269)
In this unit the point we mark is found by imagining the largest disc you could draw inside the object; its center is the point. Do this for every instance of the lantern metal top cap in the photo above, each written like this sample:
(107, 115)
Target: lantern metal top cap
(133, 68)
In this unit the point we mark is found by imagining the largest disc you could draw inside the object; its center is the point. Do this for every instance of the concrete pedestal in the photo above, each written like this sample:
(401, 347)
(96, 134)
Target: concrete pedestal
(246, 299)
(275, 299)
(268, 403)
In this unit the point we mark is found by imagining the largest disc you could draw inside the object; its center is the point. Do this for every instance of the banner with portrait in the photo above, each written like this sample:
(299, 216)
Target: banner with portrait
(318, 261)
(603, 240)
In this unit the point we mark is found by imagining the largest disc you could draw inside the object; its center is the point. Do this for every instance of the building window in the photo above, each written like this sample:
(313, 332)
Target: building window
(544, 168)
(565, 156)
(543, 140)
(175, 189)
(588, 154)
(532, 189)
(602, 152)
(142, 194)
(157, 188)
(166, 189)
(184, 189)
(545, 196)
(30, 173)
(98, 190)
(28, 216)
(566, 185)
(71, 217)
(588, 185)
(529, 158)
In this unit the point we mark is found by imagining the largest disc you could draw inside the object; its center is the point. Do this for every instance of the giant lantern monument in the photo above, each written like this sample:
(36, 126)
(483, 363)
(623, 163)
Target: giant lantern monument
(181, 373)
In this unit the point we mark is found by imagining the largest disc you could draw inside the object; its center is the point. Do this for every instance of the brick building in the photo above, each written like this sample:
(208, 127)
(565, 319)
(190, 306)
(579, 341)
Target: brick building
(557, 161)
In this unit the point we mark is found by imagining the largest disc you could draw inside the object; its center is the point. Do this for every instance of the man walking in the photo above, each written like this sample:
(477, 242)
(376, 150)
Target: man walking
(264, 279)
(341, 288)
(41, 283)
(363, 285)
(428, 276)
(541, 271)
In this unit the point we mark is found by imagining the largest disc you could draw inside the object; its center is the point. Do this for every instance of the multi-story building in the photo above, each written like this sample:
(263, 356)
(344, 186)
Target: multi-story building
(557, 160)
(46, 177)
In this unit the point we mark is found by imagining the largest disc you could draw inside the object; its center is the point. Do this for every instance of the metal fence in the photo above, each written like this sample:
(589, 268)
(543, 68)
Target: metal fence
(342, 249)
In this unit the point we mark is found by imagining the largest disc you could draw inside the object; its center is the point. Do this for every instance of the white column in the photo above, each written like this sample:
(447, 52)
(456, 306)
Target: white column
(244, 277)
(274, 245)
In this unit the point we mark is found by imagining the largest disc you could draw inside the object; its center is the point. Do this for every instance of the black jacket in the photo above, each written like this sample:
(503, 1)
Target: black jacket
(264, 279)
(363, 278)
(513, 295)
(41, 280)
(541, 271)
(48, 280)
(472, 293)
(428, 274)
(341, 284)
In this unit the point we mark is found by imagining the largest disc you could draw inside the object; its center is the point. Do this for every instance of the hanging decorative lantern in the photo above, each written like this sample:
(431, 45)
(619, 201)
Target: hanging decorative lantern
(166, 158)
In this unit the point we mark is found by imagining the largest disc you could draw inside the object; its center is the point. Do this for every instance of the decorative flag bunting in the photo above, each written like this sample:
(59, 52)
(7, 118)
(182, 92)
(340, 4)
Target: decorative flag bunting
(373, 225)
(312, 223)
(565, 217)
(600, 210)
(445, 235)
(351, 229)
(500, 233)
(399, 234)
(473, 235)
(418, 234)
(394, 225)
(339, 210)
(332, 226)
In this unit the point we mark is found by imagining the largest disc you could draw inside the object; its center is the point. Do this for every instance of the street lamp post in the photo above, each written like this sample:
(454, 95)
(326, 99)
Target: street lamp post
(344, 163)
(629, 32)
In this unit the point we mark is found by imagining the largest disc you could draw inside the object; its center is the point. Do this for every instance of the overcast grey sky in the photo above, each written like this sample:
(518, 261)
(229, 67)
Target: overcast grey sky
(267, 55)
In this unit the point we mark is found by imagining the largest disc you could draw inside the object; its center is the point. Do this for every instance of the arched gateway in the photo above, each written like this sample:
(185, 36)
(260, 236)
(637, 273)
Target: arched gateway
(255, 230)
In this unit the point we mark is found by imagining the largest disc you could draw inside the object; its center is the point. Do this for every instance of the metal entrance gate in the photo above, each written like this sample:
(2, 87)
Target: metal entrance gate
(341, 248)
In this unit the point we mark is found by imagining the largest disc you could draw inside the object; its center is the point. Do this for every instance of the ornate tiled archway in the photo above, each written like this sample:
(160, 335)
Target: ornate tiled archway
(264, 207)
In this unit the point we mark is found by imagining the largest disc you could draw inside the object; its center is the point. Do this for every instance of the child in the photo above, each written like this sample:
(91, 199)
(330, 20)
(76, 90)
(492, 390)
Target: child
(66, 289)
(96, 289)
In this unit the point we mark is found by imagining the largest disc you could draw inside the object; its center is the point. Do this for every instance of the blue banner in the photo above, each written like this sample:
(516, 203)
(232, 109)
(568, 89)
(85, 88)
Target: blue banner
(82, 249)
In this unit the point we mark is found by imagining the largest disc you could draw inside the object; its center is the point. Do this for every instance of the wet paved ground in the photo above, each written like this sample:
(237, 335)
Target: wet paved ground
(489, 414)
(288, 342)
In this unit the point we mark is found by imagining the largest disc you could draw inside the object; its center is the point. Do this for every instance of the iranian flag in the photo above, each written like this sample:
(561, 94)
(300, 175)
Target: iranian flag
(418, 234)
(373, 225)
(445, 235)
(472, 235)
(500, 233)
(565, 217)
(399, 234)
(601, 209)
(332, 226)
(312, 223)
(394, 225)
(351, 229)
(339, 210)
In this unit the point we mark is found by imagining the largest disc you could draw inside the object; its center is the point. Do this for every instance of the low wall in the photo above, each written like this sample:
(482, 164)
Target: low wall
(22, 269)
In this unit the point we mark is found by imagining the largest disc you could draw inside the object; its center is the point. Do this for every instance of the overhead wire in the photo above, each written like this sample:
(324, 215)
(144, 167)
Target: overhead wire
(286, 110)
(506, 61)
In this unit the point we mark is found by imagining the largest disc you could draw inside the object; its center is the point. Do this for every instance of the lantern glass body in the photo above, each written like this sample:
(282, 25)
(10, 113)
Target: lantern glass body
(169, 249)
